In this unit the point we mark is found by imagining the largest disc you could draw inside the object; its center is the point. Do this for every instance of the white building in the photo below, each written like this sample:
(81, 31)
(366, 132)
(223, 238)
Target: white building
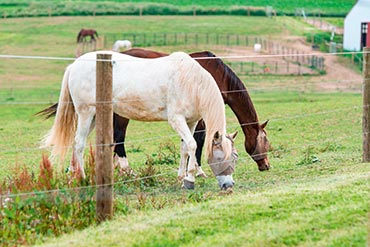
(353, 25)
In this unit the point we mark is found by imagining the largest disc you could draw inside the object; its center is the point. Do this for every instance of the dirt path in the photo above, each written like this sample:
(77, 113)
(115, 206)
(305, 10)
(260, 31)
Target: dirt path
(323, 25)
(338, 77)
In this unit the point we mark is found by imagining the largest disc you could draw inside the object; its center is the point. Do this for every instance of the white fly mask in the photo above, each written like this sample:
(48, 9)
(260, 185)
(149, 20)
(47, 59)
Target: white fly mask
(221, 167)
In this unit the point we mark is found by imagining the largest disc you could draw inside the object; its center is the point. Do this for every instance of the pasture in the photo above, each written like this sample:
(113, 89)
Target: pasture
(316, 193)
(25, 8)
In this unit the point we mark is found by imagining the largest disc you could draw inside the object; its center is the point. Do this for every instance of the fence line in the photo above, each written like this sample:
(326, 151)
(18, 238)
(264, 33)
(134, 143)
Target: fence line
(159, 175)
(295, 62)
(199, 131)
(10, 56)
(247, 89)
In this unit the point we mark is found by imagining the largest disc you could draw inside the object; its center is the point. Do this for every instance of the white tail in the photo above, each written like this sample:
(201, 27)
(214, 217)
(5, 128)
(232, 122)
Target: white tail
(61, 134)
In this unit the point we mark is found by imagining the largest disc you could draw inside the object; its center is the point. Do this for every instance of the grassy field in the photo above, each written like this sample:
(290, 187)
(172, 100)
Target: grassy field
(316, 194)
(63, 7)
(39, 80)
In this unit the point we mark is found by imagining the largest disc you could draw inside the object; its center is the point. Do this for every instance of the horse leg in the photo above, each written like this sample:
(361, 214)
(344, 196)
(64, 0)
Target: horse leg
(119, 133)
(199, 136)
(83, 129)
(183, 161)
(179, 124)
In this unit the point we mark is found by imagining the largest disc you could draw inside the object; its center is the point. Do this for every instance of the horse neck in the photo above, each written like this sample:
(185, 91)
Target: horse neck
(241, 104)
(235, 94)
(233, 91)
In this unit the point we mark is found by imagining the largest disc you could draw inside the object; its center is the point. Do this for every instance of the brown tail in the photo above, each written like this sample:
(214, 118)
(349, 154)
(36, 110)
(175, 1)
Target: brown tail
(49, 112)
(61, 134)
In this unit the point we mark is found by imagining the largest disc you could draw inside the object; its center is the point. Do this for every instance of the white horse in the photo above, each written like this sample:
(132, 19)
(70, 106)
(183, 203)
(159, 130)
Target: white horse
(121, 44)
(173, 88)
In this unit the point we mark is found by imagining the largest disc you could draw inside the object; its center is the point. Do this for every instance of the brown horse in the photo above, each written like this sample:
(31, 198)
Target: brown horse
(85, 33)
(234, 94)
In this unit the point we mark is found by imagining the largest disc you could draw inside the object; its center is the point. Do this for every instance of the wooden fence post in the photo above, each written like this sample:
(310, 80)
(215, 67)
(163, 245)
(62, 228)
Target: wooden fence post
(366, 108)
(104, 138)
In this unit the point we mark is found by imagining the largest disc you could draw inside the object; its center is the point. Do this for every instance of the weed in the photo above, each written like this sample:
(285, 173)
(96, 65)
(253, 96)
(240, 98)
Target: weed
(167, 154)
(158, 202)
(135, 149)
(35, 206)
(309, 157)
(141, 200)
(331, 147)
(278, 152)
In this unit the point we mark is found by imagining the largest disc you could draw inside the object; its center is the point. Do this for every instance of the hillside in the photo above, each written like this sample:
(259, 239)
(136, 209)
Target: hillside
(25, 8)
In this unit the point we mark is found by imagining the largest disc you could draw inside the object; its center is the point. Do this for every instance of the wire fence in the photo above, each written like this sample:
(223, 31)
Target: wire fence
(281, 118)
(293, 63)
(157, 138)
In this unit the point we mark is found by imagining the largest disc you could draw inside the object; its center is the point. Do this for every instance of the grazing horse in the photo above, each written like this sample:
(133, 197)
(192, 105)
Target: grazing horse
(234, 94)
(126, 44)
(85, 33)
(174, 88)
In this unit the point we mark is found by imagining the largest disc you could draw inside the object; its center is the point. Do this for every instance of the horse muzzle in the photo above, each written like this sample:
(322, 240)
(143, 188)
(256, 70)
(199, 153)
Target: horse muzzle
(263, 164)
(225, 182)
(223, 172)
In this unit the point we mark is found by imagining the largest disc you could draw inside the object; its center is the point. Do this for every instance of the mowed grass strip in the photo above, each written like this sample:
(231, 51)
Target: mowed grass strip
(326, 210)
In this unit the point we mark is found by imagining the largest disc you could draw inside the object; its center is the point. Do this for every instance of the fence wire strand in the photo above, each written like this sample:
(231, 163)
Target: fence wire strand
(4, 56)
(155, 138)
(296, 147)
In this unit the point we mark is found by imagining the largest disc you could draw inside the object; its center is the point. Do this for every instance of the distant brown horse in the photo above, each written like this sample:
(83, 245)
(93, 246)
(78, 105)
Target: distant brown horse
(234, 94)
(85, 33)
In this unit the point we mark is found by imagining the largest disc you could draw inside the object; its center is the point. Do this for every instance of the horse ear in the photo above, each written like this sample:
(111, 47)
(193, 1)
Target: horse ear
(264, 124)
(217, 138)
(233, 135)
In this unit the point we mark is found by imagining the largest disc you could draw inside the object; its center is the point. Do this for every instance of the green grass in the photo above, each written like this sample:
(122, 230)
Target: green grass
(316, 194)
(63, 7)
(338, 22)
(327, 210)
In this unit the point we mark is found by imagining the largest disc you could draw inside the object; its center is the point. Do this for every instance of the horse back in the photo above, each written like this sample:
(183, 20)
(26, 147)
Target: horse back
(143, 89)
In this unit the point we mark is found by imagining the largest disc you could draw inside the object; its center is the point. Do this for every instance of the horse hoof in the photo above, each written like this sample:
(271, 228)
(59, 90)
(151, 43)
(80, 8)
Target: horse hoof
(188, 185)
(202, 174)
(227, 187)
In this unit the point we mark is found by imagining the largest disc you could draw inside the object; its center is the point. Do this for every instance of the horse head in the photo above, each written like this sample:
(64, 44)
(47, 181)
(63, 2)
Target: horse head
(261, 148)
(223, 162)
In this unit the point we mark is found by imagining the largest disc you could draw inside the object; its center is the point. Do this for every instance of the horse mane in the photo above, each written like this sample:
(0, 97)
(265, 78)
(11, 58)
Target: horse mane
(213, 109)
(212, 120)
